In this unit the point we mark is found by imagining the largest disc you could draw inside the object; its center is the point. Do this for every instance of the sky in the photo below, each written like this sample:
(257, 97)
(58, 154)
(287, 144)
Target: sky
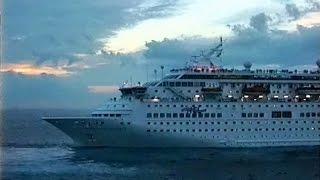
(75, 54)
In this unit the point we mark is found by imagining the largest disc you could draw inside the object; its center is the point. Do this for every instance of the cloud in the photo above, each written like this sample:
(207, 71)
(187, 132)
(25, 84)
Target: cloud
(314, 5)
(311, 19)
(57, 30)
(293, 11)
(257, 42)
(103, 89)
(31, 70)
(260, 22)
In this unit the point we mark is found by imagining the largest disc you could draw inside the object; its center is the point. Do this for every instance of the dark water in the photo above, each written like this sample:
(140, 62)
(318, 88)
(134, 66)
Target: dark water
(32, 149)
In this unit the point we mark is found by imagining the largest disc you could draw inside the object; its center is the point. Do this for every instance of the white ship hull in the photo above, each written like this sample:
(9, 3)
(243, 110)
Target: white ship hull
(199, 132)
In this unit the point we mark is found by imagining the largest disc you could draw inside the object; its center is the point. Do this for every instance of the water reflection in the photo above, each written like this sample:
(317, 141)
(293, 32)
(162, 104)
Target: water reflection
(270, 163)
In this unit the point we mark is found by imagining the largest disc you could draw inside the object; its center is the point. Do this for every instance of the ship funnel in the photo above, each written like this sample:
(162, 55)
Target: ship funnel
(247, 65)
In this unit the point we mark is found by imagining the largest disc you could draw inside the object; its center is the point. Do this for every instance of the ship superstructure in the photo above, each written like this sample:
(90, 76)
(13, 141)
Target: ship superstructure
(203, 105)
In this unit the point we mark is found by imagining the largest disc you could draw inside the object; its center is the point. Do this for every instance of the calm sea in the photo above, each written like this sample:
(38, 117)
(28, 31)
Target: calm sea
(32, 149)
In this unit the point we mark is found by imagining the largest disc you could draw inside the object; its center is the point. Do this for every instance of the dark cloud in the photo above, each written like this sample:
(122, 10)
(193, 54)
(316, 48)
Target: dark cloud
(260, 22)
(54, 30)
(293, 11)
(314, 5)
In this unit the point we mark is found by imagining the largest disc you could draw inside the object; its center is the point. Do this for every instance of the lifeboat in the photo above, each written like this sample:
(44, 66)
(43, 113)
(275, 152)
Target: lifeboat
(255, 90)
(308, 90)
(137, 91)
(211, 90)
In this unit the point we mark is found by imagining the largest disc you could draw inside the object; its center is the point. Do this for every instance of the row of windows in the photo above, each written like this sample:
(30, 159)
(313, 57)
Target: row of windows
(281, 114)
(225, 122)
(106, 115)
(250, 115)
(310, 114)
(184, 115)
(232, 130)
(182, 84)
(251, 77)
(234, 106)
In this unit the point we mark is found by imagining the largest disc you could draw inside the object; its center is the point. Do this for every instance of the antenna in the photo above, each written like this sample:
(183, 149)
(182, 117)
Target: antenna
(155, 75)
(147, 71)
(162, 67)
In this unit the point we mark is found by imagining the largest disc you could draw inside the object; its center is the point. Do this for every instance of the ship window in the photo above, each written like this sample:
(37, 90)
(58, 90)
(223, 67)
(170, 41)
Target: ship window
(190, 84)
(181, 115)
(249, 114)
(168, 115)
(106, 115)
(206, 115)
(149, 115)
(255, 114)
(286, 114)
(318, 114)
(301, 114)
(155, 115)
(178, 84)
(184, 84)
(171, 84)
(188, 115)
(200, 115)
(162, 115)
(118, 115)
(244, 115)
(111, 115)
(261, 115)
(307, 114)
(276, 114)
(175, 115)
(313, 114)
(213, 115)
(219, 115)
(194, 115)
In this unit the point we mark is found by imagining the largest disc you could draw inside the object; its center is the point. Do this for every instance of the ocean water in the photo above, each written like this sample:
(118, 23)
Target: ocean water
(32, 149)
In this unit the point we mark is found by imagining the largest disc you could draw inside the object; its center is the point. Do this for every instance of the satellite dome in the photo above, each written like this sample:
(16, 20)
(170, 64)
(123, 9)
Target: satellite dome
(318, 63)
(247, 65)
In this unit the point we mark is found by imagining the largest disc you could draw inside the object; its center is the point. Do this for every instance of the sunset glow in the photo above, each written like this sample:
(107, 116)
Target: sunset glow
(31, 70)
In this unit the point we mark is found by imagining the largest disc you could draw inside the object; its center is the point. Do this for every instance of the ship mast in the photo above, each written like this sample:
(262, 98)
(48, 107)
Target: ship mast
(206, 59)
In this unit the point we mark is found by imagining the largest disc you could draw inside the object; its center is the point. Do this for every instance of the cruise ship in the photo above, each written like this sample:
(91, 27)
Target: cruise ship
(204, 105)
